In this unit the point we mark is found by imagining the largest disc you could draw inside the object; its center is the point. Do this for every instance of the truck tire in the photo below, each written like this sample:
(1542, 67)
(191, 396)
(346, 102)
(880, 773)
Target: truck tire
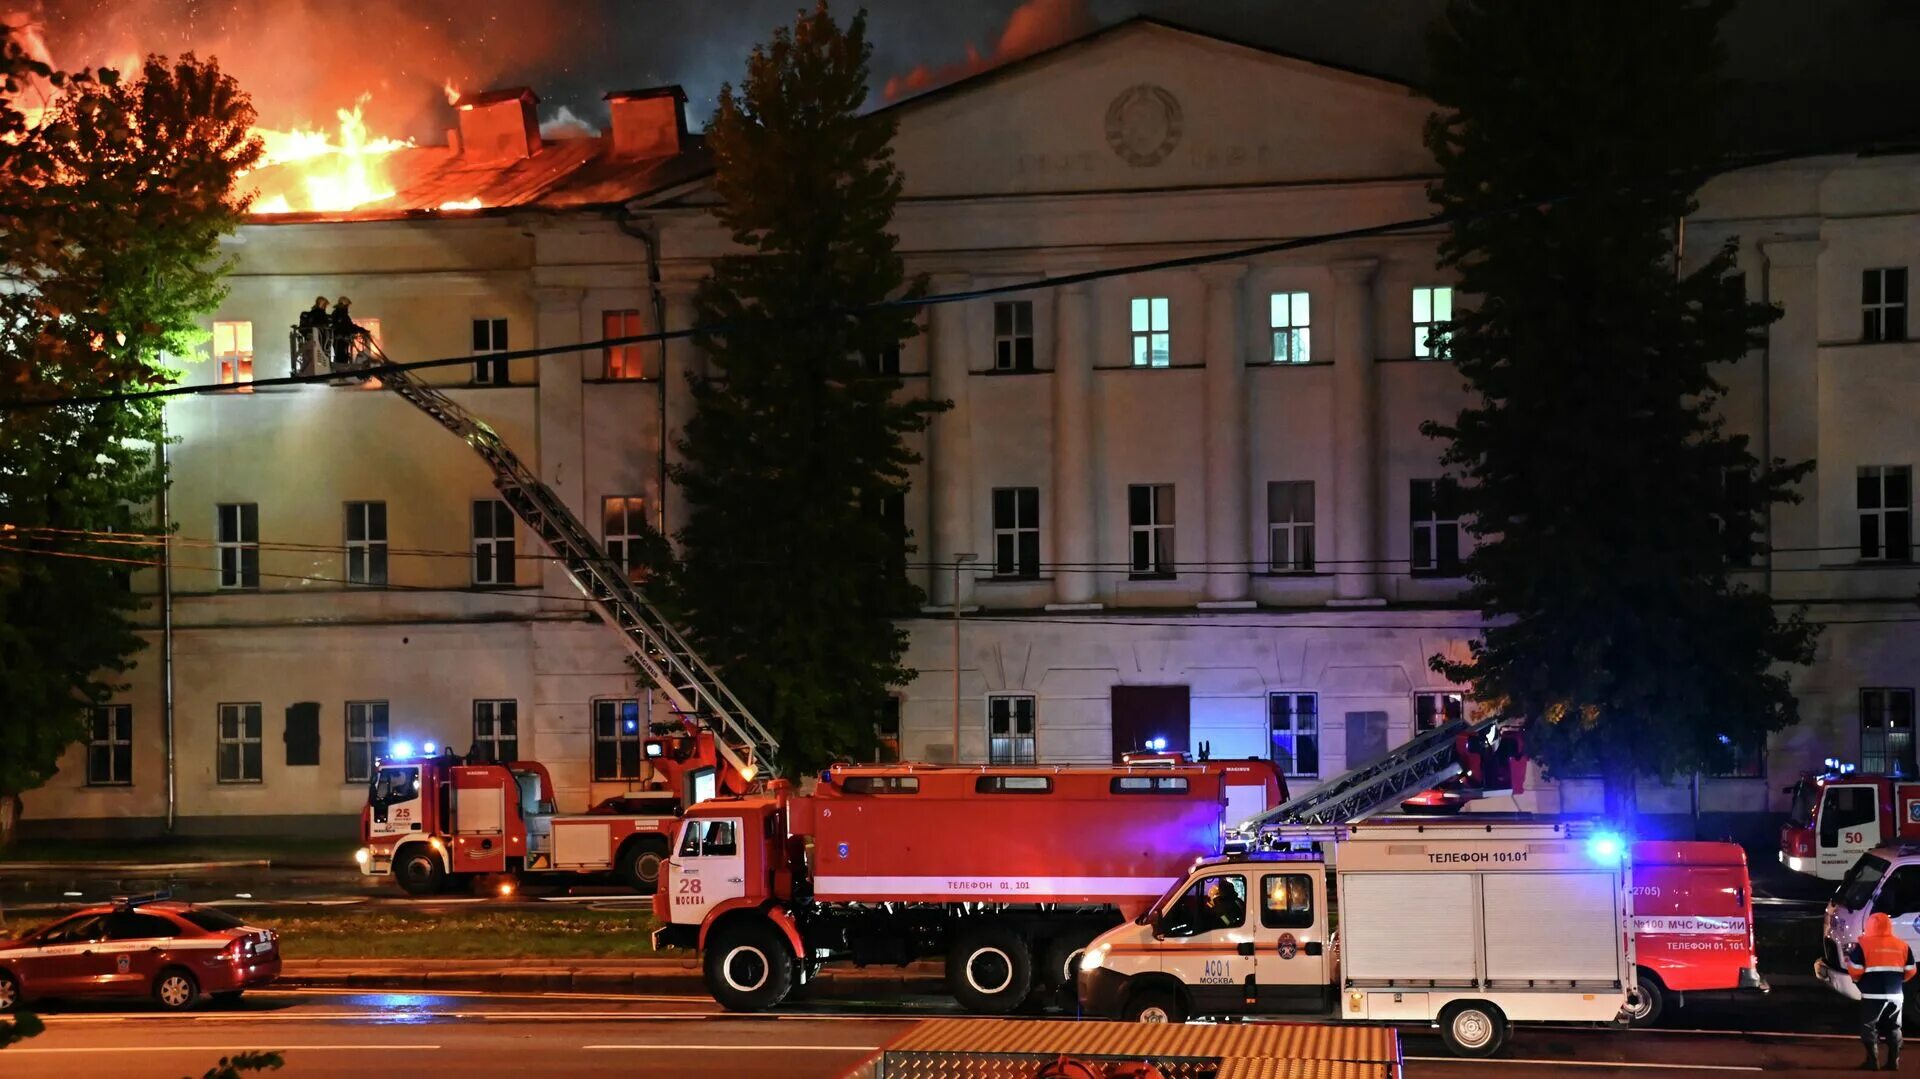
(1648, 1000)
(749, 967)
(419, 872)
(990, 970)
(1153, 1006)
(638, 866)
(1063, 960)
(1473, 1028)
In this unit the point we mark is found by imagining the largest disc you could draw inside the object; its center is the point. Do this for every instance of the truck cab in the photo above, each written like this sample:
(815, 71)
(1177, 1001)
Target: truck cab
(1885, 880)
(1841, 814)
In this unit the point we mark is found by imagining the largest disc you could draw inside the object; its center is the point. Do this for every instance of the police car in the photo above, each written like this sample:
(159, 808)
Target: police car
(143, 946)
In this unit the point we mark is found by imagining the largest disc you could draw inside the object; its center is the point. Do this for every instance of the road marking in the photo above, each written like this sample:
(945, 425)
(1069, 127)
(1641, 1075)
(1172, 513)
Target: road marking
(1748, 1033)
(1590, 1064)
(732, 1047)
(227, 1048)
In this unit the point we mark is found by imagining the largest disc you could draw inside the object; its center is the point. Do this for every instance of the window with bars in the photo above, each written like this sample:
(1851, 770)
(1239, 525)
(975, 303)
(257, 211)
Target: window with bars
(617, 735)
(496, 730)
(1883, 304)
(1290, 526)
(1016, 532)
(1291, 336)
(1152, 343)
(622, 361)
(1436, 528)
(237, 756)
(623, 525)
(1886, 731)
(1884, 494)
(237, 538)
(1011, 738)
(1431, 710)
(1150, 530)
(1293, 732)
(1013, 336)
(233, 353)
(493, 545)
(1432, 310)
(110, 746)
(367, 542)
(489, 335)
(366, 738)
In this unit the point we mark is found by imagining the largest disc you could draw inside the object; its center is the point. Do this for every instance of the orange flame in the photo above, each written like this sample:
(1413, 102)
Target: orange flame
(452, 92)
(312, 172)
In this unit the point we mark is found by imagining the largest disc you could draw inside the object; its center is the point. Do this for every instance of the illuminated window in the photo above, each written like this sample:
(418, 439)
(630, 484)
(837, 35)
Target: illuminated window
(622, 361)
(1293, 732)
(1013, 336)
(237, 538)
(1436, 528)
(1290, 526)
(1150, 529)
(492, 542)
(233, 351)
(1886, 731)
(623, 524)
(1883, 304)
(1291, 337)
(617, 734)
(366, 738)
(489, 335)
(1152, 345)
(110, 746)
(1431, 710)
(238, 757)
(1432, 310)
(1016, 532)
(1010, 729)
(367, 542)
(1885, 497)
(496, 730)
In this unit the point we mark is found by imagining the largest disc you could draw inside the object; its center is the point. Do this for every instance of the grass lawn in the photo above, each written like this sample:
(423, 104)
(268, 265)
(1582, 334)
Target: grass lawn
(276, 849)
(560, 933)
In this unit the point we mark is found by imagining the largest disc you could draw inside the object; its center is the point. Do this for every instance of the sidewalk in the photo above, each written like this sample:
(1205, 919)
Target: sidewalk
(585, 975)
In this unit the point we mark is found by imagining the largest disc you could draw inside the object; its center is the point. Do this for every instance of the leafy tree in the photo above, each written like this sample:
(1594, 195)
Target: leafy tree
(1607, 499)
(112, 204)
(790, 572)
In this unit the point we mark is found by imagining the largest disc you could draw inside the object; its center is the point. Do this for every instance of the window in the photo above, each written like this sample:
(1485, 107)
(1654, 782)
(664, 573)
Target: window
(366, 738)
(489, 335)
(1291, 343)
(1212, 903)
(1436, 529)
(1900, 895)
(1293, 732)
(619, 361)
(616, 739)
(1286, 901)
(1016, 532)
(238, 758)
(1883, 304)
(367, 542)
(110, 746)
(1432, 310)
(1435, 710)
(492, 542)
(238, 539)
(1152, 345)
(623, 524)
(132, 925)
(1150, 529)
(1848, 806)
(1013, 335)
(496, 730)
(1741, 762)
(1013, 785)
(883, 364)
(303, 734)
(1366, 737)
(1885, 496)
(233, 351)
(1886, 731)
(886, 732)
(1148, 785)
(1290, 526)
(1010, 735)
(881, 784)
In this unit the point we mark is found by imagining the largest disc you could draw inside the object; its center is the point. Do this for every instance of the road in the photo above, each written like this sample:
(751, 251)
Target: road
(351, 1033)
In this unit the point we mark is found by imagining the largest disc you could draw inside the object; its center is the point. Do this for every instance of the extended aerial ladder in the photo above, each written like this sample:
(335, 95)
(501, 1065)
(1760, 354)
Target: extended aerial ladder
(662, 653)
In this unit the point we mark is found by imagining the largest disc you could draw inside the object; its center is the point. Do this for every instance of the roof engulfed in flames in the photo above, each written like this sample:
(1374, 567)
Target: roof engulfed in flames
(305, 170)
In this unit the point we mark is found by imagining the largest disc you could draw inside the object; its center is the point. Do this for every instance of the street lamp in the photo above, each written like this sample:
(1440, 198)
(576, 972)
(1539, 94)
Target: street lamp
(958, 561)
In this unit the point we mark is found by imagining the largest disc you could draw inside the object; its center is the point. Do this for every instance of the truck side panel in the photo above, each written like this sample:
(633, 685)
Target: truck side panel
(1552, 927)
(1400, 946)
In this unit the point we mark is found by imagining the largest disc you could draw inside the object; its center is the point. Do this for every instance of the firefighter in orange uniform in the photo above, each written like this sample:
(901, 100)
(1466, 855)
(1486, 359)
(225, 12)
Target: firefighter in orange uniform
(1882, 964)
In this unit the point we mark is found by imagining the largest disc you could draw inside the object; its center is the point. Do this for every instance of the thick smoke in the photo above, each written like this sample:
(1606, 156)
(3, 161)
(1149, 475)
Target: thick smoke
(1034, 26)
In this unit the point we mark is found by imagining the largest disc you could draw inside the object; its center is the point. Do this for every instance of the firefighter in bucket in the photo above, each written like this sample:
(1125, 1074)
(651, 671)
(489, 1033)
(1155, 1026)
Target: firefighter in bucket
(1882, 964)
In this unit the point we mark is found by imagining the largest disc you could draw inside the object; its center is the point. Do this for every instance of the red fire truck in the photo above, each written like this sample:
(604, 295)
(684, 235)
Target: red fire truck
(1841, 814)
(1693, 920)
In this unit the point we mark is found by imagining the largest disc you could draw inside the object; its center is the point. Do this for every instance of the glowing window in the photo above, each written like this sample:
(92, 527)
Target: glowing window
(233, 351)
(622, 361)
(623, 523)
(1431, 710)
(1432, 311)
(1152, 344)
(1291, 338)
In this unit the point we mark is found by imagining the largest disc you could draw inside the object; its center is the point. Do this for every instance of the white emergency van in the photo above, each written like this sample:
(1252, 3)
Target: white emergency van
(1885, 880)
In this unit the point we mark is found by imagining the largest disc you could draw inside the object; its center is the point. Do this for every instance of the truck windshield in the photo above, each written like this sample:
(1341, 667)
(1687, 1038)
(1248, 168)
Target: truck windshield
(1805, 793)
(399, 783)
(1857, 887)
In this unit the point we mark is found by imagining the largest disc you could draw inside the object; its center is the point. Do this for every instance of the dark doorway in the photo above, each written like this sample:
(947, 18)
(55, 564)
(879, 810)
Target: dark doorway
(1151, 718)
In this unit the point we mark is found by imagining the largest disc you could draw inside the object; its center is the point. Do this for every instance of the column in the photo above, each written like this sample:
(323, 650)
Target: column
(681, 360)
(1225, 436)
(1356, 487)
(1075, 522)
(561, 419)
(1792, 418)
(950, 446)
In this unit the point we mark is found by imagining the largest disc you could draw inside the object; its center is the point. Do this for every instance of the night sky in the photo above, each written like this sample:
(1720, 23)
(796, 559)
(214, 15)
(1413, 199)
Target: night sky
(1809, 69)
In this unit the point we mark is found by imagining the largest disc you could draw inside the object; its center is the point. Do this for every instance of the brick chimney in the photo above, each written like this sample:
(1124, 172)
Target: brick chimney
(499, 126)
(648, 123)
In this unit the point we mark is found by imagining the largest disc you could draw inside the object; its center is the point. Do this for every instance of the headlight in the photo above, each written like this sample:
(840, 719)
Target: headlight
(362, 857)
(1095, 957)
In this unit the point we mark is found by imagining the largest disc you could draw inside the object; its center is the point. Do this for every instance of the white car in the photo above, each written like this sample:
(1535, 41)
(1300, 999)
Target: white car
(1886, 880)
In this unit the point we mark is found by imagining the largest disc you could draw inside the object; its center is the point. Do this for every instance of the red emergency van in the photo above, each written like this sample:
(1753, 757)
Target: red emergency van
(1693, 920)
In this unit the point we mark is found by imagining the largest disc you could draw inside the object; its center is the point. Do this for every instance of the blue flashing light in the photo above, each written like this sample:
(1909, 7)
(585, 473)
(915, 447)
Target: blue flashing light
(633, 724)
(400, 751)
(429, 748)
(1606, 847)
(1158, 745)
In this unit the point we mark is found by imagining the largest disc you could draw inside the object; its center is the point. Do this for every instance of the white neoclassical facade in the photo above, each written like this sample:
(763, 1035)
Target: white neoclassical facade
(1196, 498)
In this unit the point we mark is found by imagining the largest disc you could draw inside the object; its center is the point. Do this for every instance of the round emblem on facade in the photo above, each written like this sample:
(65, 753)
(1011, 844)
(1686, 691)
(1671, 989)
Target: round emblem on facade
(1144, 124)
(1288, 946)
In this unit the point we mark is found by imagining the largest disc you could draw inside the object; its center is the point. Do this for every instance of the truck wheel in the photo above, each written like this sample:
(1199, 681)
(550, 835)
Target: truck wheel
(638, 866)
(749, 967)
(990, 970)
(1063, 960)
(1473, 1028)
(418, 872)
(176, 990)
(1648, 1001)
(1153, 1006)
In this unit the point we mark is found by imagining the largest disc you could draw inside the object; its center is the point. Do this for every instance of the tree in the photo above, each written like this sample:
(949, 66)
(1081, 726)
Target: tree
(1607, 498)
(791, 573)
(112, 204)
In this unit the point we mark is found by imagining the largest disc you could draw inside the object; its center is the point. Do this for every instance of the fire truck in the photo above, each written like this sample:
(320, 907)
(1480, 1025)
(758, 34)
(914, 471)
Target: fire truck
(1841, 814)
